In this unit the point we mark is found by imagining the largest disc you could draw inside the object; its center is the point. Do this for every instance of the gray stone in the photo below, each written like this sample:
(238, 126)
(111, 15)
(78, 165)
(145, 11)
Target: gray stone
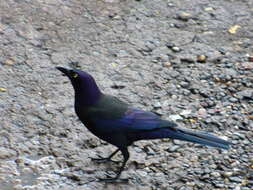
(235, 179)
(175, 117)
(6, 153)
(248, 93)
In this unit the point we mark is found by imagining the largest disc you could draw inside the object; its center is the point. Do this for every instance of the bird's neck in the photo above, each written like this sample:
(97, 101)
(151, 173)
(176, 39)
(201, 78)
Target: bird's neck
(87, 96)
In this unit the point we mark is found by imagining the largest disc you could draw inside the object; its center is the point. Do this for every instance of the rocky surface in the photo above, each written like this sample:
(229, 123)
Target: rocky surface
(188, 61)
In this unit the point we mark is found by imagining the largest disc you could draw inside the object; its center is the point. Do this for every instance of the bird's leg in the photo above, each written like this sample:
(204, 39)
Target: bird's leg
(101, 159)
(116, 178)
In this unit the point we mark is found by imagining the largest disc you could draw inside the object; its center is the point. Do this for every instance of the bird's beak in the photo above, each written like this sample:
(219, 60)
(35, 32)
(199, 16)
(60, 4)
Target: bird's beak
(63, 70)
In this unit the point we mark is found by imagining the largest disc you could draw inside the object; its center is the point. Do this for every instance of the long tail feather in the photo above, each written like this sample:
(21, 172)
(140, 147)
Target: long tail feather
(201, 138)
(186, 135)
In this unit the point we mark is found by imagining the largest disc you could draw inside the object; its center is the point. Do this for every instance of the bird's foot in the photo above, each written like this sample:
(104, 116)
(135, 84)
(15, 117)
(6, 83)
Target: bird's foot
(114, 180)
(102, 160)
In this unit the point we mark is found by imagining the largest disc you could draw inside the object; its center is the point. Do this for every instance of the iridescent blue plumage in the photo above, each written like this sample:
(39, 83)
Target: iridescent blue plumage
(133, 120)
(120, 124)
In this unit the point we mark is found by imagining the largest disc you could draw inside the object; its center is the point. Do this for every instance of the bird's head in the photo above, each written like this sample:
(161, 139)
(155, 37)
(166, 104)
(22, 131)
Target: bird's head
(83, 83)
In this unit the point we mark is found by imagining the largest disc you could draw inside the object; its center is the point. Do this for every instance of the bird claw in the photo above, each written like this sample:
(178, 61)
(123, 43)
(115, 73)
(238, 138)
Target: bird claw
(102, 160)
(114, 180)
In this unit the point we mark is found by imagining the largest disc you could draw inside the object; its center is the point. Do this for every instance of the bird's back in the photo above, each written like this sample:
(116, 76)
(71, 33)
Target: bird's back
(107, 107)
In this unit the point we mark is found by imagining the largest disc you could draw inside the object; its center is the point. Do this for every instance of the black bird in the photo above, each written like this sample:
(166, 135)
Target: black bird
(119, 124)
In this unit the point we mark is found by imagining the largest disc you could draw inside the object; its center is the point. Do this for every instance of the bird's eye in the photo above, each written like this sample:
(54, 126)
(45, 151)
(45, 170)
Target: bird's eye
(75, 75)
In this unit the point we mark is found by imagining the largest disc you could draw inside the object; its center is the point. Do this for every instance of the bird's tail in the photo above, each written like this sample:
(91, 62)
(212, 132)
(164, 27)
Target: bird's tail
(199, 137)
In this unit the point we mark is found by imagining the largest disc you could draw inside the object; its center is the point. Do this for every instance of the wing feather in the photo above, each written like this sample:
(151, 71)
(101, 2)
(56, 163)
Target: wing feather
(133, 120)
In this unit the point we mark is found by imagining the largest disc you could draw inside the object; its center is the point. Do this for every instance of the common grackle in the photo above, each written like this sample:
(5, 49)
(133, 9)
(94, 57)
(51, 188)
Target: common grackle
(120, 124)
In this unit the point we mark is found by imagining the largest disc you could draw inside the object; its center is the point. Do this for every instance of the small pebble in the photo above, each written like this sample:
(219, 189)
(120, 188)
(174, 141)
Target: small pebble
(227, 174)
(250, 58)
(176, 49)
(190, 184)
(175, 117)
(9, 62)
(209, 9)
(235, 179)
(167, 64)
(233, 100)
(202, 112)
(173, 148)
(201, 58)
(233, 29)
(186, 113)
(215, 174)
(157, 105)
(184, 16)
(3, 90)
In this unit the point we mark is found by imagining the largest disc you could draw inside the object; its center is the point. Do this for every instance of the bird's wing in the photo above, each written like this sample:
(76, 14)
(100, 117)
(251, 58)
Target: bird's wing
(133, 120)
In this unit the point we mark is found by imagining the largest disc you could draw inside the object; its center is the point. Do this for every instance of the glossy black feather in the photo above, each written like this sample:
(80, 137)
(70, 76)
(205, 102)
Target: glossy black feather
(120, 124)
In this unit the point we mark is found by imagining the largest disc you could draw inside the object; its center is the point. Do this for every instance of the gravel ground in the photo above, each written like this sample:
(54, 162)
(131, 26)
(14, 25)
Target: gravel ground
(189, 61)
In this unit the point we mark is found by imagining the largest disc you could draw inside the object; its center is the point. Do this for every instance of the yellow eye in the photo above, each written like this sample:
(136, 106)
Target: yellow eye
(75, 75)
